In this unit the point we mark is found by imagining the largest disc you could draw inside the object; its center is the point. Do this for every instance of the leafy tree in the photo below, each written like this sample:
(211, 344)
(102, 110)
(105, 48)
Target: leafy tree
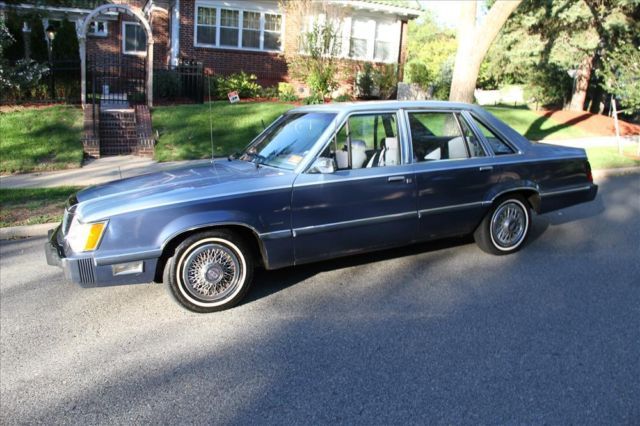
(430, 52)
(621, 75)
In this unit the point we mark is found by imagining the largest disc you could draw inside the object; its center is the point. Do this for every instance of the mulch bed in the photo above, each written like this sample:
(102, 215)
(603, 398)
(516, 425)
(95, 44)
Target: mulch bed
(600, 125)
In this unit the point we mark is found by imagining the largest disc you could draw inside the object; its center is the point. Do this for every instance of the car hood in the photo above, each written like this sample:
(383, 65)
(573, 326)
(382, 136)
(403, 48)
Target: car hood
(178, 185)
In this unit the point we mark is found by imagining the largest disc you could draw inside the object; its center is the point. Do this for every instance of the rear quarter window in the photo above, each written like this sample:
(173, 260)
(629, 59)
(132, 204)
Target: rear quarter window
(498, 145)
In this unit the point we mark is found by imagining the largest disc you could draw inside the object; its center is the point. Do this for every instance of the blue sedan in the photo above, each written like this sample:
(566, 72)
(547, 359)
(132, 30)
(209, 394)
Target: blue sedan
(320, 182)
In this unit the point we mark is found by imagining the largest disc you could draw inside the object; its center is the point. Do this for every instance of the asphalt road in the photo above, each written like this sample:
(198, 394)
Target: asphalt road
(438, 333)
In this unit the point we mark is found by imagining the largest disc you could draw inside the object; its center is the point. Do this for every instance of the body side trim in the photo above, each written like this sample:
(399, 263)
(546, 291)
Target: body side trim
(566, 190)
(356, 222)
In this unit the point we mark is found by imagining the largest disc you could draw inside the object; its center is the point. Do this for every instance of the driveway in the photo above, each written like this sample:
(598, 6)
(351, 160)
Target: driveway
(437, 333)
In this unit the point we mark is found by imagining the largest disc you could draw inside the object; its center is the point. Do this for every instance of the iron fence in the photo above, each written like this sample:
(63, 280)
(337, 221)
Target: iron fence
(182, 83)
(60, 83)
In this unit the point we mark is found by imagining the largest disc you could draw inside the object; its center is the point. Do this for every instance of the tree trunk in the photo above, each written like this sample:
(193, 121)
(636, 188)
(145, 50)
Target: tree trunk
(581, 84)
(473, 44)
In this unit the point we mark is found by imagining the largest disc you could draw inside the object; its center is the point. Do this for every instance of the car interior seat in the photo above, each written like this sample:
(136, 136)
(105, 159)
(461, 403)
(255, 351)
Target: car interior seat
(456, 148)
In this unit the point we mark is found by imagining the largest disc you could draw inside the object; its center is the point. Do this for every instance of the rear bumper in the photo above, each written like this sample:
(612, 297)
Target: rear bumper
(85, 272)
(566, 197)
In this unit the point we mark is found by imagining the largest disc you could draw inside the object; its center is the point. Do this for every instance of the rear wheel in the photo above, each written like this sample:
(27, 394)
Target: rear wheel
(210, 271)
(505, 228)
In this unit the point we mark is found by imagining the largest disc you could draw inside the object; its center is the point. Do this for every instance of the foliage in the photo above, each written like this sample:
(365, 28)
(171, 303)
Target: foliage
(286, 92)
(385, 78)
(184, 129)
(431, 45)
(621, 75)
(545, 37)
(442, 84)
(40, 139)
(243, 83)
(166, 84)
(269, 92)
(345, 97)
(21, 76)
(313, 99)
(65, 43)
(364, 82)
(418, 73)
(320, 43)
(548, 85)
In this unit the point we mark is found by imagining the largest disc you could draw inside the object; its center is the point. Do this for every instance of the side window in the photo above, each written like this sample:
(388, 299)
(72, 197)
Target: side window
(436, 136)
(473, 144)
(368, 140)
(498, 146)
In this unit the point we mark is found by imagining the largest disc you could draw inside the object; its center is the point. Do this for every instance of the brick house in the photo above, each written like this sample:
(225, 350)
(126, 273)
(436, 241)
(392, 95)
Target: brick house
(228, 36)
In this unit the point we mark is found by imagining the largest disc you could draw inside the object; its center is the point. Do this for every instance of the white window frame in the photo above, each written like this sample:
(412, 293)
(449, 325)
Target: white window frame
(94, 24)
(124, 41)
(218, 6)
(371, 39)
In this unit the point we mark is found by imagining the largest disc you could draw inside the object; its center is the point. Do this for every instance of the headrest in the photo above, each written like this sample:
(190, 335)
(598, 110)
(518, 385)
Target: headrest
(358, 144)
(391, 143)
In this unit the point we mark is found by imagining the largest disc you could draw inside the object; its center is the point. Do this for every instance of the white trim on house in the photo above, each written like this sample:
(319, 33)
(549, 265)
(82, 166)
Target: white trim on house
(142, 52)
(378, 7)
(175, 34)
(240, 7)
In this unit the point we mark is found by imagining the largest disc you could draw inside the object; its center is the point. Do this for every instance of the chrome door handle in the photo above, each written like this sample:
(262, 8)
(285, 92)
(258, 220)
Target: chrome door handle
(395, 179)
(486, 168)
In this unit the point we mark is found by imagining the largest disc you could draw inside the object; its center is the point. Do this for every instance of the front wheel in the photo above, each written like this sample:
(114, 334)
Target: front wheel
(505, 228)
(210, 271)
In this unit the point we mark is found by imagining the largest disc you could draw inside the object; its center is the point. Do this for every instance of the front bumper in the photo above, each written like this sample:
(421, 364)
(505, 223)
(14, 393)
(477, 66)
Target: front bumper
(84, 270)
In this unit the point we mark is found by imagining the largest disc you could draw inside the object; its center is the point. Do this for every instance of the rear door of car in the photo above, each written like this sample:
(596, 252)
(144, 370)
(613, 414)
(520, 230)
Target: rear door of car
(368, 202)
(454, 171)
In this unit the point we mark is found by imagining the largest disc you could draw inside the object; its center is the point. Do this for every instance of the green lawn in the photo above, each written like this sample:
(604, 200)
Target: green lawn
(35, 139)
(30, 206)
(536, 127)
(184, 129)
(608, 158)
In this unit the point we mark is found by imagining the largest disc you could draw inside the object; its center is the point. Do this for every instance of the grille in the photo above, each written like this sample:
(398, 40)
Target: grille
(85, 270)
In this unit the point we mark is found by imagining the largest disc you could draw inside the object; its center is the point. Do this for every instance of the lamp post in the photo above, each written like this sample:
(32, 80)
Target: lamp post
(50, 33)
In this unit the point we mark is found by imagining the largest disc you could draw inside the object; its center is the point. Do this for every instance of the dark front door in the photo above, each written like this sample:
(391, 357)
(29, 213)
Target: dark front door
(368, 203)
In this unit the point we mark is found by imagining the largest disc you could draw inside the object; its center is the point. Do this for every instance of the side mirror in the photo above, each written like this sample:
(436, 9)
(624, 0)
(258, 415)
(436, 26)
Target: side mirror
(323, 165)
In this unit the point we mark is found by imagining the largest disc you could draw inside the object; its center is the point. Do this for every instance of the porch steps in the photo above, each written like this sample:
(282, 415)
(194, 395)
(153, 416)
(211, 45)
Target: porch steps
(123, 130)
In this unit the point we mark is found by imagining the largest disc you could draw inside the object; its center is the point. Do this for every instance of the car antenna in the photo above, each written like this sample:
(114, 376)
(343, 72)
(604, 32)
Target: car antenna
(211, 122)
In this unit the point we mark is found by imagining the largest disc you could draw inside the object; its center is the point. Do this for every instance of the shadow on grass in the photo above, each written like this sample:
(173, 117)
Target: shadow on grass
(536, 130)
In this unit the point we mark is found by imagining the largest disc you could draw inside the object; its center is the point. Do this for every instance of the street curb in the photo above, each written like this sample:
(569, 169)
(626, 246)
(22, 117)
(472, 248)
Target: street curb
(604, 173)
(13, 232)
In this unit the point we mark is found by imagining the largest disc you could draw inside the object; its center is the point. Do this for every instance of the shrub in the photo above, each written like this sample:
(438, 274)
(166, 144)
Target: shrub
(343, 98)
(549, 85)
(385, 79)
(364, 82)
(243, 83)
(286, 92)
(269, 92)
(418, 73)
(166, 84)
(312, 99)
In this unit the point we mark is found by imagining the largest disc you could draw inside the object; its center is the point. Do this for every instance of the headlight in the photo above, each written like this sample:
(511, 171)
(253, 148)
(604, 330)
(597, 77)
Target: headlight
(85, 236)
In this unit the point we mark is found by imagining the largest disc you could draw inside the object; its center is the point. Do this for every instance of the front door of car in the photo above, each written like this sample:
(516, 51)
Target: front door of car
(453, 173)
(367, 202)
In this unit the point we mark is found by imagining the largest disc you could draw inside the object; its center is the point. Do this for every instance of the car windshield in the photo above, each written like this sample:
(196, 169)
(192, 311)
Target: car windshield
(287, 142)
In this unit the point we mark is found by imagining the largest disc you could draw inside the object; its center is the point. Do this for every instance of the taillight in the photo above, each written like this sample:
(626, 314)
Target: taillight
(588, 170)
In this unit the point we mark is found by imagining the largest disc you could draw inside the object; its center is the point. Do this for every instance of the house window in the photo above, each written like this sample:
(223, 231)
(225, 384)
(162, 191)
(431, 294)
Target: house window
(98, 29)
(251, 30)
(134, 39)
(373, 40)
(206, 26)
(360, 29)
(272, 31)
(237, 29)
(383, 47)
(229, 27)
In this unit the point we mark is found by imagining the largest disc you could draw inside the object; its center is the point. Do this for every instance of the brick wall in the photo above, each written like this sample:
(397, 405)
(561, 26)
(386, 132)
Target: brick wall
(269, 67)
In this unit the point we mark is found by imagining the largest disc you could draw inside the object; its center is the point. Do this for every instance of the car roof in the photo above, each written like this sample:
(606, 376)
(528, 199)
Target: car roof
(347, 107)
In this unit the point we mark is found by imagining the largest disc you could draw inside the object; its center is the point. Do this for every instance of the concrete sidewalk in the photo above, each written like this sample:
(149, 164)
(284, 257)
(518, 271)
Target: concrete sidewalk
(107, 169)
(93, 172)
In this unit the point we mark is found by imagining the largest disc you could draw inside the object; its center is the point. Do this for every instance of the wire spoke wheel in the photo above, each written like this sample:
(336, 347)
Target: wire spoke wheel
(509, 224)
(211, 272)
